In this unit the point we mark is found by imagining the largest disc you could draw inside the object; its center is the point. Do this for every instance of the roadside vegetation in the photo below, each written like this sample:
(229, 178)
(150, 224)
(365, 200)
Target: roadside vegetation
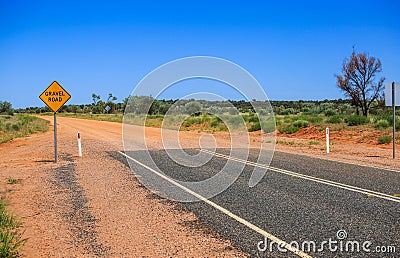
(290, 116)
(20, 125)
(99, 117)
(10, 235)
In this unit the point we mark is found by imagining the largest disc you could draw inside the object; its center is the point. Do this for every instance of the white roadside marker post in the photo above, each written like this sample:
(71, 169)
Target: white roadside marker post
(327, 139)
(79, 145)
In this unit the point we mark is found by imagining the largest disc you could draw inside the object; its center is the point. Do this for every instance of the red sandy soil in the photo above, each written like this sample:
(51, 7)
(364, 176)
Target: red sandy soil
(367, 138)
(346, 145)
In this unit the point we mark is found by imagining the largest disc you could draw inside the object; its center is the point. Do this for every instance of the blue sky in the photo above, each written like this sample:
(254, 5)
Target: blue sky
(293, 48)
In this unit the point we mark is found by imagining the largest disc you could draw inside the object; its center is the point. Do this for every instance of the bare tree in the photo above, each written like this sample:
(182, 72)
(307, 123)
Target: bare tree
(358, 80)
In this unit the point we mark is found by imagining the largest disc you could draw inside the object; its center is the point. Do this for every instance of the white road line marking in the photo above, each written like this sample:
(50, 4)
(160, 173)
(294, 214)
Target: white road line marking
(381, 168)
(311, 178)
(350, 163)
(360, 165)
(223, 210)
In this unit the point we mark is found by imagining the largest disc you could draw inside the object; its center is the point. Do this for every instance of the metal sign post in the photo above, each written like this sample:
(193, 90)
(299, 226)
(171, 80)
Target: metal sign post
(392, 99)
(55, 97)
(55, 138)
(394, 119)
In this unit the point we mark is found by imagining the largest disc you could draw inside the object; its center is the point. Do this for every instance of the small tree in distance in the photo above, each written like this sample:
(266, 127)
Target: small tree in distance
(95, 98)
(358, 80)
(193, 107)
(6, 108)
(110, 102)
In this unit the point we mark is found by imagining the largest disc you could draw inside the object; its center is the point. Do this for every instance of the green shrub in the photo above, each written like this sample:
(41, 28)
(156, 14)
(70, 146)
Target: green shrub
(193, 107)
(223, 127)
(253, 119)
(15, 127)
(301, 123)
(313, 119)
(25, 119)
(382, 124)
(285, 142)
(246, 117)
(385, 116)
(389, 119)
(336, 119)
(384, 139)
(354, 120)
(397, 125)
(215, 122)
(289, 129)
(10, 236)
(330, 112)
(191, 120)
(205, 119)
(268, 126)
(255, 127)
(292, 129)
(233, 111)
(233, 122)
(288, 111)
(154, 116)
(12, 181)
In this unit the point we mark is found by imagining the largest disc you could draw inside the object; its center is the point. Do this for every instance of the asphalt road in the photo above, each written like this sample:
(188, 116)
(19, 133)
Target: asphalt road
(335, 206)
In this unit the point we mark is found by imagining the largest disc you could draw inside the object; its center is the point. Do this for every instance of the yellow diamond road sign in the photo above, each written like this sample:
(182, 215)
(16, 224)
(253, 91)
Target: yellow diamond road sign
(55, 96)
